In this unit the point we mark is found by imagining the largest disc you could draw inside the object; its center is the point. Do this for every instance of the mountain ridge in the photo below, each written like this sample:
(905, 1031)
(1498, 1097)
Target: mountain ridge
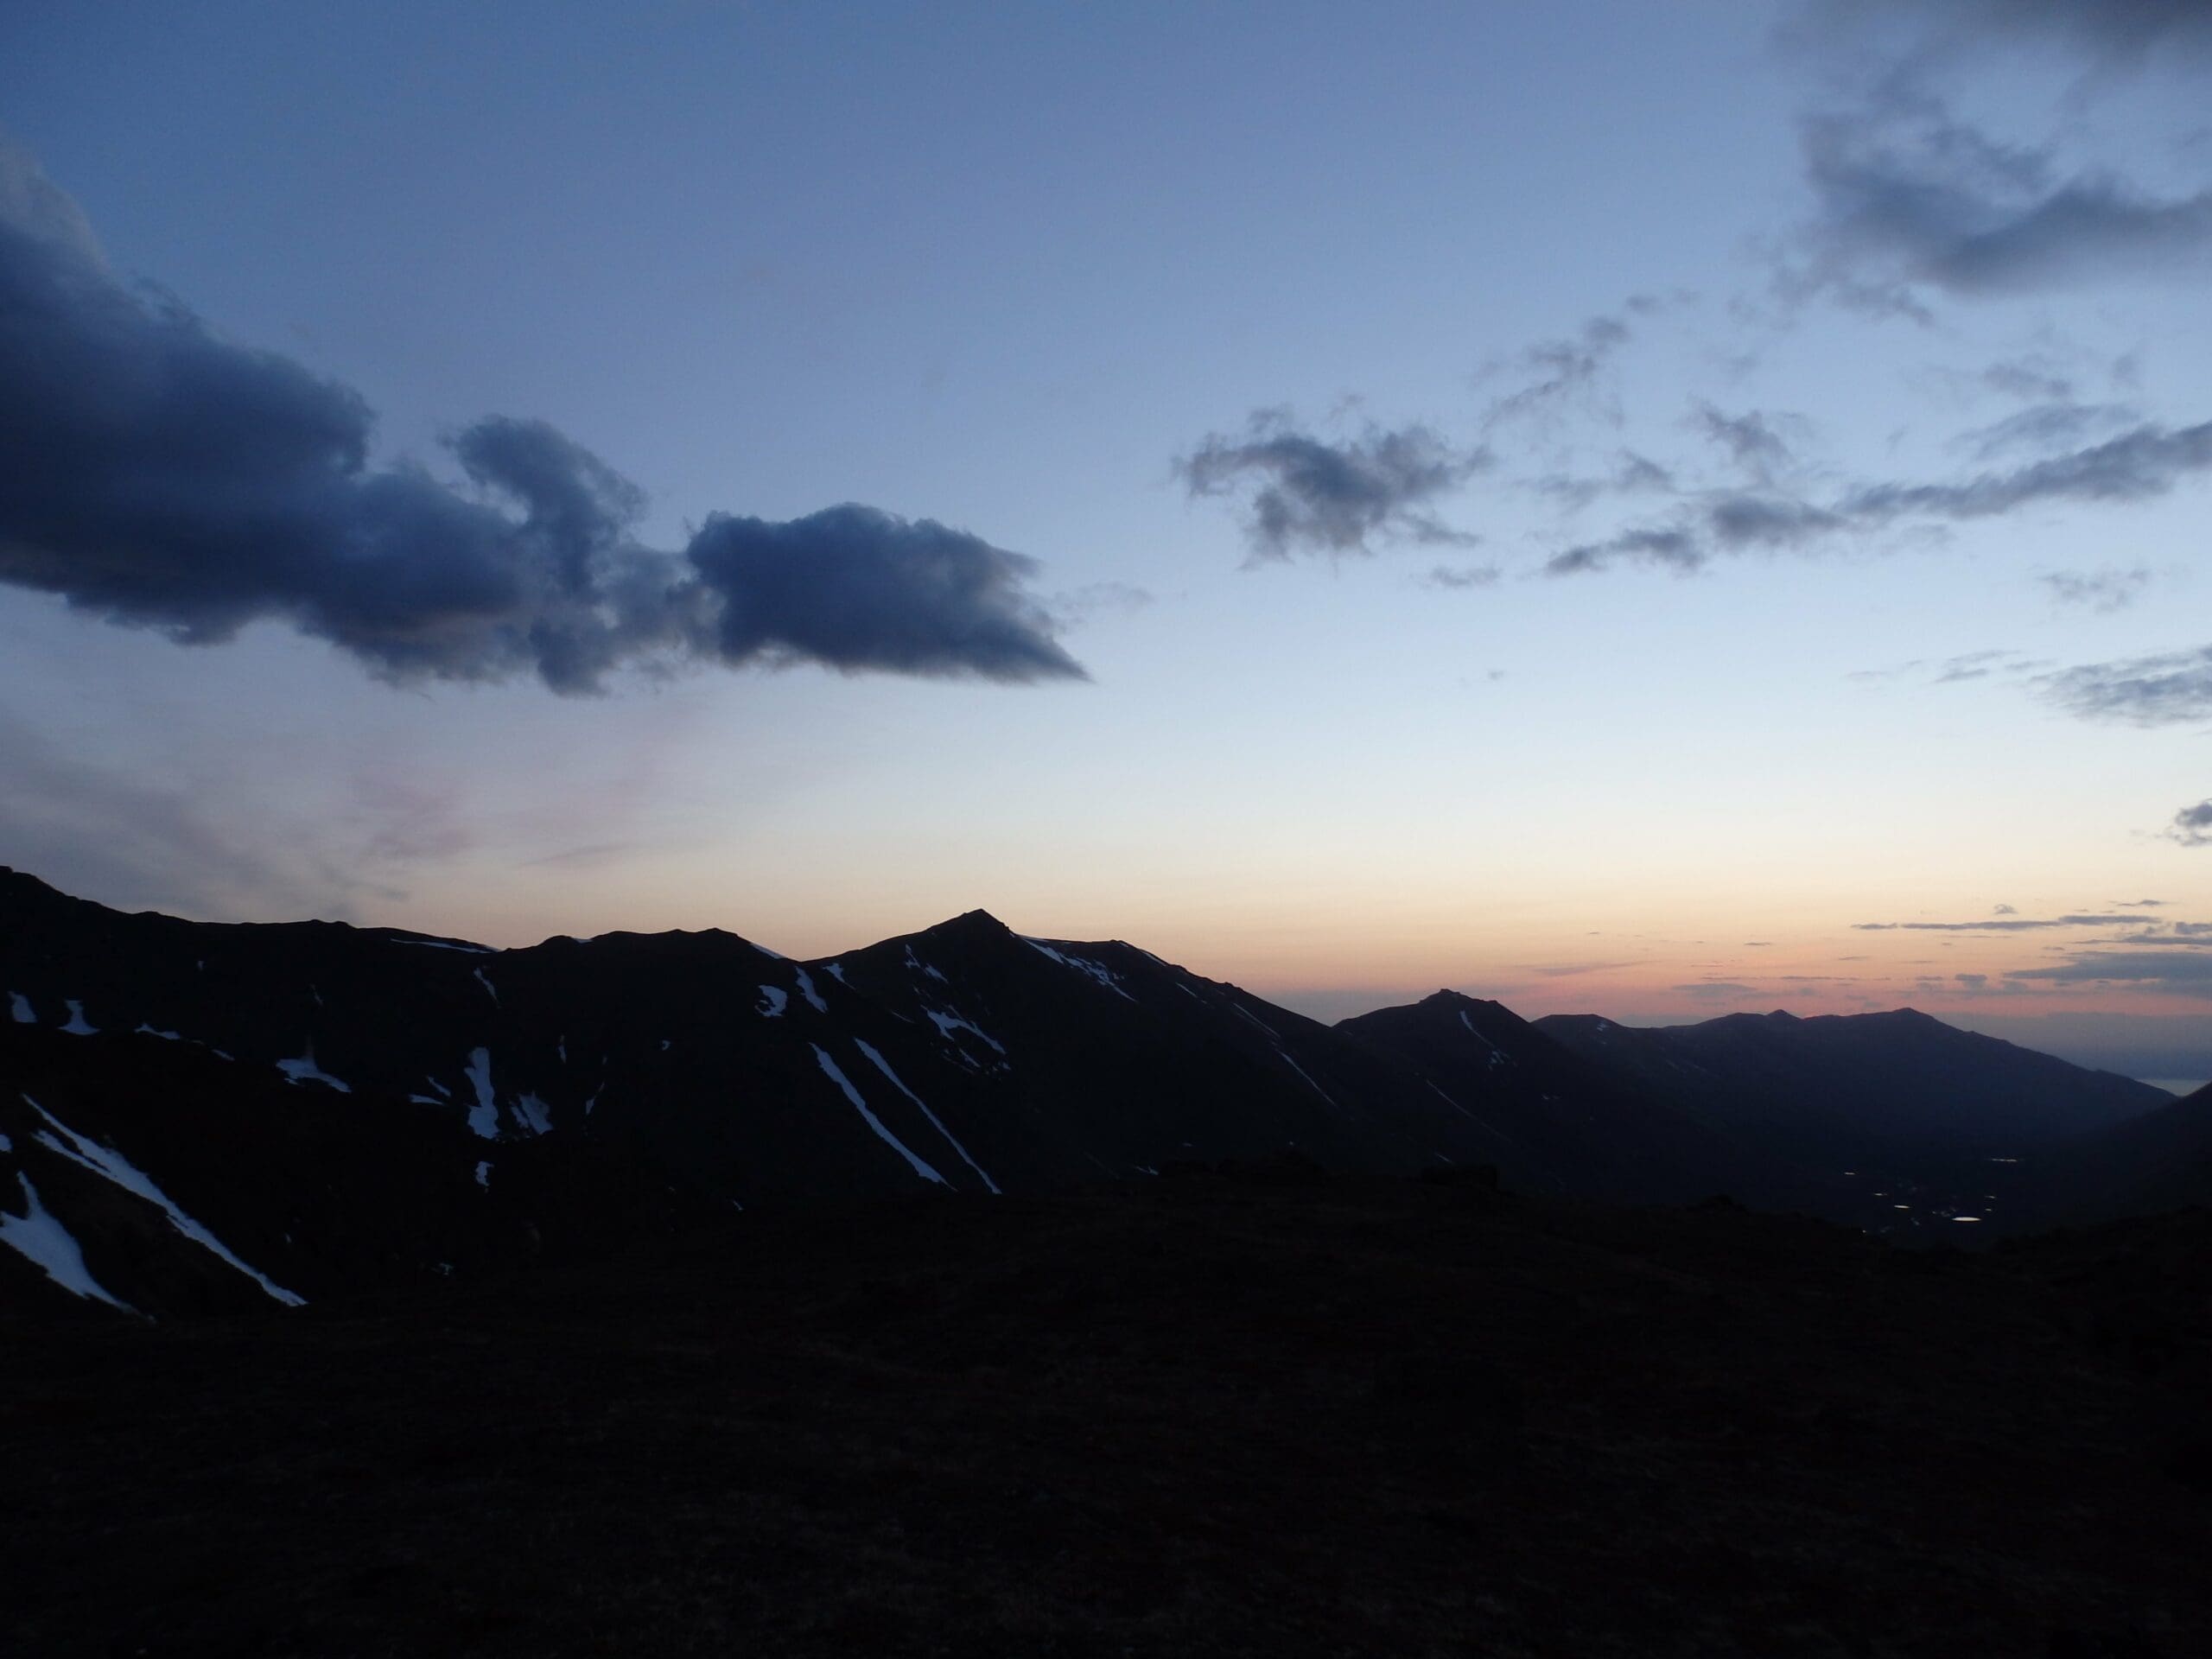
(697, 1068)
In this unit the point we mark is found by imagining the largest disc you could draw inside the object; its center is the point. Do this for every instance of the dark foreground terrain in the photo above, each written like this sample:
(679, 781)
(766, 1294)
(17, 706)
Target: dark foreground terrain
(1261, 1413)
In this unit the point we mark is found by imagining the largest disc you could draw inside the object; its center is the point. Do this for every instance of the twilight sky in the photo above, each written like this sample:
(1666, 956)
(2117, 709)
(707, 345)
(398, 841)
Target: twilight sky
(1647, 510)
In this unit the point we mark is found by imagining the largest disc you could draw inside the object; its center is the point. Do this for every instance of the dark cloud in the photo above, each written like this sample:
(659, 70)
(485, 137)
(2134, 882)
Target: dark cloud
(2192, 825)
(2169, 690)
(2005, 910)
(1309, 495)
(2183, 974)
(1995, 925)
(156, 476)
(2099, 590)
(2123, 28)
(858, 590)
(1910, 201)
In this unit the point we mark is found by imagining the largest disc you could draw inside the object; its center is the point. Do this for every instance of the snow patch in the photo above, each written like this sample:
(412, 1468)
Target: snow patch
(304, 1070)
(45, 1244)
(946, 1024)
(484, 1174)
(447, 944)
(78, 1026)
(19, 1008)
(807, 989)
(1084, 965)
(534, 1116)
(107, 1162)
(492, 990)
(145, 1030)
(836, 972)
(773, 1001)
(921, 967)
(484, 1116)
(1496, 1054)
(829, 1070)
(884, 1066)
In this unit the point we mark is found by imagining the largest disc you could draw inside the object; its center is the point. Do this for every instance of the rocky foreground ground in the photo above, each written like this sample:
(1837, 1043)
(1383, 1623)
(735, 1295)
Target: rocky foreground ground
(1259, 1411)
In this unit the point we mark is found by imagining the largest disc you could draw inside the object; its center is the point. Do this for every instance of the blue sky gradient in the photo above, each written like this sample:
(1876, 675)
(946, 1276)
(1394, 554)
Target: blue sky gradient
(1545, 723)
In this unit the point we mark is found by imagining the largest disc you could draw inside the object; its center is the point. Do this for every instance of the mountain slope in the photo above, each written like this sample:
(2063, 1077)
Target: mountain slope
(403, 1077)
(1555, 1118)
(1840, 1083)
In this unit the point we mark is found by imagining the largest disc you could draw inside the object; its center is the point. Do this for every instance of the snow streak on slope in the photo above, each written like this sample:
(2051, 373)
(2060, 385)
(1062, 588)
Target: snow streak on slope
(19, 1006)
(78, 1026)
(773, 1001)
(1496, 1054)
(45, 1244)
(884, 1066)
(921, 1166)
(946, 1024)
(807, 989)
(107, 1162)
(1084, 965)
(304, 1070)
(484, 1116)
(1310, 1083)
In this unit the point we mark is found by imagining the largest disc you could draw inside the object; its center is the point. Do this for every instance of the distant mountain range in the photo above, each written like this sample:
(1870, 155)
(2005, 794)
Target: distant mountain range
(204, 1117)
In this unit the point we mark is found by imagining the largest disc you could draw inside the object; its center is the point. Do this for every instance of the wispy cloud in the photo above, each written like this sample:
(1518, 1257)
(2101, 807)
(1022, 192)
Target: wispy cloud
(1308, 494)
(2192, 825)
(2103, 591)
(2142, 464)
(2167, 688)
(2006, 923)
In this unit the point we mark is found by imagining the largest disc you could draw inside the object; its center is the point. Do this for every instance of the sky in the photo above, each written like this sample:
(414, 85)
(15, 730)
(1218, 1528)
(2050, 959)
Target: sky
(1653, 511)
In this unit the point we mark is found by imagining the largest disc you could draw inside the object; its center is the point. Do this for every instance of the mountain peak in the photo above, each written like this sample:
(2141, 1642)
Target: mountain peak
(973, 925)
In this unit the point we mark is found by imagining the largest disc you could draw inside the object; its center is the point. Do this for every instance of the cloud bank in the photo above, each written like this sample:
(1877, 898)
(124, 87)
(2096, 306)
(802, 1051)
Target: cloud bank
(156, 476)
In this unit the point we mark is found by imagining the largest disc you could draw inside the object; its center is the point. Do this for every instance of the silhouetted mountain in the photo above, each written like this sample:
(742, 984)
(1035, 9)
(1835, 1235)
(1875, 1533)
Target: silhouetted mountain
(392, 1105)
(2160, 1161)
(1840, 1084)
(1896, 1121)
(1555, 1119)
(197, 1117)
